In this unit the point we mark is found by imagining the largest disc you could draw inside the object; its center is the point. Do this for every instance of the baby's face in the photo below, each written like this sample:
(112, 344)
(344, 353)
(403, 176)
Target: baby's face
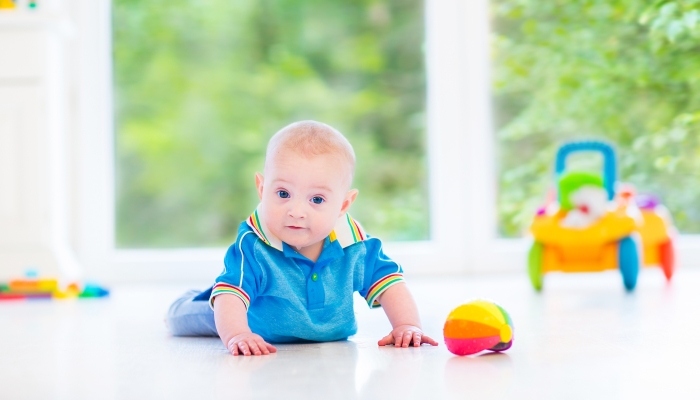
(302, 197)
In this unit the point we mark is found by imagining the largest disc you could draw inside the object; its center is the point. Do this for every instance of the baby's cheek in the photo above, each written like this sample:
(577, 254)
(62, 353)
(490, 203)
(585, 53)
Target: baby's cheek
(329, 224)
(275, 214)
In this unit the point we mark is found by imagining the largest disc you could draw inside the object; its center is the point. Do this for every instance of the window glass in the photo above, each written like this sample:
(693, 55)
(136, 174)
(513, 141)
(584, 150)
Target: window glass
(623, 70)
(200, 86)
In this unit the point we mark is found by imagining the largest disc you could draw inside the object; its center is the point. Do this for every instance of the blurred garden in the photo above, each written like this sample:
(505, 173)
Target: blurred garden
(200, 87)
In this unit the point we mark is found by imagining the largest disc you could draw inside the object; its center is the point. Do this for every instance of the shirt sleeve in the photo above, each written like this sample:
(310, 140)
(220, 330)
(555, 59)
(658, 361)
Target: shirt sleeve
(242, 275)
(381, 272)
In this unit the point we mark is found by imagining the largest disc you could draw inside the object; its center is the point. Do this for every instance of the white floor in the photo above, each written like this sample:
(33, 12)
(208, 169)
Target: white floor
(582, 338)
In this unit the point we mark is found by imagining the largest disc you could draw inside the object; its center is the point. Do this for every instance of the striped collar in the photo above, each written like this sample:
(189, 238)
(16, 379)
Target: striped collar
(347, 231)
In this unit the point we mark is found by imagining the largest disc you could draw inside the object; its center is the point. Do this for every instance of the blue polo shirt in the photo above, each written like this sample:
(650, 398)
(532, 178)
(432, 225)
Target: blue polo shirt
(291, 298)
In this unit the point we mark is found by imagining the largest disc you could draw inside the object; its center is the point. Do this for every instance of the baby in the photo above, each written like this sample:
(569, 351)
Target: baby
(291, 274)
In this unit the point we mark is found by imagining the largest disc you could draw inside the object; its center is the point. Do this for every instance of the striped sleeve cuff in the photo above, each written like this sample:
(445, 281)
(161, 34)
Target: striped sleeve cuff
(225, 288)
(379, 287)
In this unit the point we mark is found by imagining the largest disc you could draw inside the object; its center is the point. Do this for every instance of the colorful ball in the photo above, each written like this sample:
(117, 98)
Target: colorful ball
(477, 326)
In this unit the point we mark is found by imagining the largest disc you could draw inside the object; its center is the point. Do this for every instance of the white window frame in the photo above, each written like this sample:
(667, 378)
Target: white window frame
(462, 170)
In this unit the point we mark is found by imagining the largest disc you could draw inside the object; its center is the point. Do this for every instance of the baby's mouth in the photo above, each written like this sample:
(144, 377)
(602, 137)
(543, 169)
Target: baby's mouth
(294, 227)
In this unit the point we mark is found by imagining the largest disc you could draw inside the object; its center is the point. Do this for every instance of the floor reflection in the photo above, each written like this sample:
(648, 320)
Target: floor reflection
(394, 372)
(488, 375)
(315, 370)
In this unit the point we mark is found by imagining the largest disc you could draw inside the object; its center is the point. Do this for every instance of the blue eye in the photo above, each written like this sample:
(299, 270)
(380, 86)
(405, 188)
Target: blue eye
(283, 194)
(317, 200)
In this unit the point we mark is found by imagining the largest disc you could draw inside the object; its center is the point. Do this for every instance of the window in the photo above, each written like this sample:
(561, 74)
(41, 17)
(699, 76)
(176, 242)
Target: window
(459, 193)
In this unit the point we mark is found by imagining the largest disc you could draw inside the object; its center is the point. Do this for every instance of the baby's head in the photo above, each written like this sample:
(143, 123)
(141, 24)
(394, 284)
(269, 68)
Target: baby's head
(309, 168)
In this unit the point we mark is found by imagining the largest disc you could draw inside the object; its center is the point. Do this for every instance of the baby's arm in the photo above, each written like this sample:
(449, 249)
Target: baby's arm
(232, 324)
(399, 306)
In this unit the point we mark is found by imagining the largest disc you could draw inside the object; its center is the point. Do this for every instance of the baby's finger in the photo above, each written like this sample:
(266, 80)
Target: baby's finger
(398, 340)
(233, 349)
(388, 339)
(429, 340)
(406, 339)
(416, 339)
(270, 348)
(243, 346)
(254, 348)
(262, 346)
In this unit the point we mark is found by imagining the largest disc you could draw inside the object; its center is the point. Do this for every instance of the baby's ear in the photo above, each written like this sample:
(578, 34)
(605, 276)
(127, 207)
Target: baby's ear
(349, 199)
(259, 181)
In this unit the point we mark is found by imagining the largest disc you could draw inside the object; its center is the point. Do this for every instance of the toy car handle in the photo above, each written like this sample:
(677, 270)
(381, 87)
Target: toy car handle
(609, 161)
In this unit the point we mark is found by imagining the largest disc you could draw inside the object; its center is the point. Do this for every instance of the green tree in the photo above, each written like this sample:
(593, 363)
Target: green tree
(624, 70)
(202, 85)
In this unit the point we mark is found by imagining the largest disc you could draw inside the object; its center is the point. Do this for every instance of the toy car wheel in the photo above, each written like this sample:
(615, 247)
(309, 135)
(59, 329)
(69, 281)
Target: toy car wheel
(628, 259)
(534, 265)
(667, 257)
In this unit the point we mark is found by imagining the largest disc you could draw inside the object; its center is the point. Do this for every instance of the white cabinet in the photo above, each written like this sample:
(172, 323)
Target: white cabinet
(33, 173)
(23, 177)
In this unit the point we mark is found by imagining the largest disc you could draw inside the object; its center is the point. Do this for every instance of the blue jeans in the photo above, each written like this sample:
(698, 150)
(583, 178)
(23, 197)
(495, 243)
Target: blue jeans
(190, 315)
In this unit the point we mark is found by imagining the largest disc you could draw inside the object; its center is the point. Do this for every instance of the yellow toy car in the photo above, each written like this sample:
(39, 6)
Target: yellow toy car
(656, 230)
(588, 230)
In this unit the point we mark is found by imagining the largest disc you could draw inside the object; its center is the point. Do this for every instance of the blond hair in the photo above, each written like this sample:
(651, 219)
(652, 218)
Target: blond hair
(311, 138)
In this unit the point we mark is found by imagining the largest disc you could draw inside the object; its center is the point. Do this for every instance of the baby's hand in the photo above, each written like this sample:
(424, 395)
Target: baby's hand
(405, 335)
(248, 343)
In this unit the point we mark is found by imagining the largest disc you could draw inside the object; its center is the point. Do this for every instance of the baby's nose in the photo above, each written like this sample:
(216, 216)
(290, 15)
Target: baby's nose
(296, 209)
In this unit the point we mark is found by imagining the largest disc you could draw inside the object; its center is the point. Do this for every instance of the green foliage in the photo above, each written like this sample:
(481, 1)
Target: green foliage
(202, 85)
(624, 70)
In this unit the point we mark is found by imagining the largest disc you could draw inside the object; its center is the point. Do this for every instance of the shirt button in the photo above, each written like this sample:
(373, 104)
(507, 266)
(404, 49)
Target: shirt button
(314, 277)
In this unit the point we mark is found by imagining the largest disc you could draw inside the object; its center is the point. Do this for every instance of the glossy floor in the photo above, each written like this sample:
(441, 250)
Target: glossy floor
(582, 338)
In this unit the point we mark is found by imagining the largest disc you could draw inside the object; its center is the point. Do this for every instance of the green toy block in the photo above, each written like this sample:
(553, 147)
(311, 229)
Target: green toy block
(93, 291)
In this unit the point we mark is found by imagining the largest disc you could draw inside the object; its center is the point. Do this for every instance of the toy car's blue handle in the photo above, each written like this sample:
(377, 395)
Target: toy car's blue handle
(609, 161)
